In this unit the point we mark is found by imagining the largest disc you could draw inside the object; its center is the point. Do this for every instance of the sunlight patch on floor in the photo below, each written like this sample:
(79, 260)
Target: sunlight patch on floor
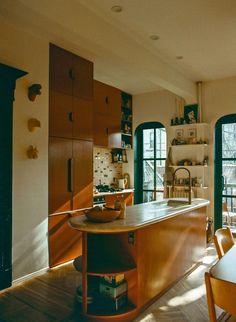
(163, 308)
(197, 272)
(147, 318)
(209, 259)
(188, 297)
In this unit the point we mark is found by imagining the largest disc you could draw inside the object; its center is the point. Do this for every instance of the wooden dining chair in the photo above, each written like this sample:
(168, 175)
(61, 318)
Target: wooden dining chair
(223, 240)
(221, 293)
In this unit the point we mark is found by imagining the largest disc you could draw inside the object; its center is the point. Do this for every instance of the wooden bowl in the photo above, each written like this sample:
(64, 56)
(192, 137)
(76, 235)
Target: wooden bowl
(105, 215)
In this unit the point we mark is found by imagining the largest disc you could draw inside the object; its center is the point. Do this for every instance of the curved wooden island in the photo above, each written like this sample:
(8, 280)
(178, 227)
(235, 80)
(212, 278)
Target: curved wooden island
(154, 246)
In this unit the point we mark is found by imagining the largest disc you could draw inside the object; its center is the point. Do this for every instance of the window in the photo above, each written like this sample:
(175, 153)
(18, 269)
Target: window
(150, 156)
(225, 172)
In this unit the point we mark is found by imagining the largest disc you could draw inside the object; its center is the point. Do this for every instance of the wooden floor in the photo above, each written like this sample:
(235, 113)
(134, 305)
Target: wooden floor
(51, 297)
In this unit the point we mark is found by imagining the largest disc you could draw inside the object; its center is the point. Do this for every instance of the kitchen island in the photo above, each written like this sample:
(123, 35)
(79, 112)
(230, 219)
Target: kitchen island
(154, 246)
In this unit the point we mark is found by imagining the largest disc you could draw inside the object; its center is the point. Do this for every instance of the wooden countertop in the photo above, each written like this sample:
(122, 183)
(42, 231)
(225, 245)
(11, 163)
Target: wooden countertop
(137, 216)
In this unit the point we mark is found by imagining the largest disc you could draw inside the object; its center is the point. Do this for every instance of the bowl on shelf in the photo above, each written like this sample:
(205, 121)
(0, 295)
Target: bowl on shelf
(97, 214)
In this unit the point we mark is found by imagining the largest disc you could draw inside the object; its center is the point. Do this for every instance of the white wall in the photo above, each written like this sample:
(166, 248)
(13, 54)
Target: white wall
(30, 177)
(157, 106)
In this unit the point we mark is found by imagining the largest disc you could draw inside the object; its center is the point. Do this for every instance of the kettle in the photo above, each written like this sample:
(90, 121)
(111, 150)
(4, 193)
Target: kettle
(122, 183)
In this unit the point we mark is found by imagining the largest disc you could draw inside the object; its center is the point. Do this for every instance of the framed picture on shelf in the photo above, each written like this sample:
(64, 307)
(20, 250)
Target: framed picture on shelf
(179, 134)
(192, 136)
(192, 133)
(191, 114)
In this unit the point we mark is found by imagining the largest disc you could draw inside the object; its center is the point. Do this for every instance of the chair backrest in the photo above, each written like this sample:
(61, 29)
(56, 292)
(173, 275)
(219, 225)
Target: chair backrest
(223, 240)
(221, 293)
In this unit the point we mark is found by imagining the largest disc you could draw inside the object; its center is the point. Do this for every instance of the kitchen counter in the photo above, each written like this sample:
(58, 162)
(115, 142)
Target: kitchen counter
(154, 246)
(137, 216)
(99, 194)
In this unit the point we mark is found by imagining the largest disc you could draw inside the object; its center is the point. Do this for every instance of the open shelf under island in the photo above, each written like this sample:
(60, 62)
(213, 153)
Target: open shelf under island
(154, 246)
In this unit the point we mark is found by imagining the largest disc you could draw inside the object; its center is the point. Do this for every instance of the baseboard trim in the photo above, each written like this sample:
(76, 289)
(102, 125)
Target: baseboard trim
(29, 276)
(37, 273)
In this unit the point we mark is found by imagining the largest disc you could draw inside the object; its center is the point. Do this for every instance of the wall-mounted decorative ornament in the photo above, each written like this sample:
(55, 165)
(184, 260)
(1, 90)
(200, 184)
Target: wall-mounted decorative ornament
(32, 152)
(33, 124)
(33, 91)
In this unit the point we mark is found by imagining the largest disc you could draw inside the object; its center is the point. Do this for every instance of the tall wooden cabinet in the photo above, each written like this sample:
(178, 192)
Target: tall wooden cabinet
(107, 115)
(70, 74)
(70, 117)
(70, 149)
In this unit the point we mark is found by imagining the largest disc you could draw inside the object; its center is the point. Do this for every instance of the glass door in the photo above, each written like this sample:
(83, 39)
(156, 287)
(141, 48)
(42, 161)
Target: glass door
(150, 159)
(225, 174)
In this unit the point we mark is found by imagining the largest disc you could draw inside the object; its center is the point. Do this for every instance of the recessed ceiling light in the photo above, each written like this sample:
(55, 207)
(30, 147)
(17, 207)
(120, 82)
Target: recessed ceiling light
(179, 57)
(116, 8)
(154, 37)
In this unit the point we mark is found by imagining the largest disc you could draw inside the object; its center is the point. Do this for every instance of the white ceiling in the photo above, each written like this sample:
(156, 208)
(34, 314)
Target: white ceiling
(202, 31)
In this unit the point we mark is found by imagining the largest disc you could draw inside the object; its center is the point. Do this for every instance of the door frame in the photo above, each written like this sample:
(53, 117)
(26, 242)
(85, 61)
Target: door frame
(231, 118)
(8, 76)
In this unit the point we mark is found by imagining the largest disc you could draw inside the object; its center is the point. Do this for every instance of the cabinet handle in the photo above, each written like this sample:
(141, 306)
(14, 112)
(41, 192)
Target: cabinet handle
(106, 100)
(72, 73)
(71, 116)
(70, 175)
(107, 130)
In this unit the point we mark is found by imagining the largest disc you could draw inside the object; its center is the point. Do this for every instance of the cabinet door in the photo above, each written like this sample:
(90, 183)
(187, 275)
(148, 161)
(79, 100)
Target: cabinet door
(60, 190)
(65, 243)
(114, 134)
(60, 70)
(100, 98)
(83, 119)
(83, 174)
(60, 115)
(100, 130)
(114, 102)
(82, 78)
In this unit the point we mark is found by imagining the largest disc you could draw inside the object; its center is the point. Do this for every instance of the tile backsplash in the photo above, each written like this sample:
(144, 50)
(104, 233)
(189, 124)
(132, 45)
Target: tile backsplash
(104, 171)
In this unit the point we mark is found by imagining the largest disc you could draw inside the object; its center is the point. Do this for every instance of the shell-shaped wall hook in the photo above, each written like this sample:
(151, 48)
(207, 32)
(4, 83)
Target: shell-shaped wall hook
(33, 91)
(33, 124)
(32, 152)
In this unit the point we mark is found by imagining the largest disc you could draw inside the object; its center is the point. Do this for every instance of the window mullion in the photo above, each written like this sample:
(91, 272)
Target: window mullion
(155, 170)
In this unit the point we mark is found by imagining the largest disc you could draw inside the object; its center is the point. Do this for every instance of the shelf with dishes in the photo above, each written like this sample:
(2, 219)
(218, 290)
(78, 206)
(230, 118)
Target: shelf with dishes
(198, 179)
(199, 166)
(196, 134)
(126, 124)
(188, 148)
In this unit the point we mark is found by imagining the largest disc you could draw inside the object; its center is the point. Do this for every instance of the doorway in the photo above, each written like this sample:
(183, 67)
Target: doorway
(150, 158)
(225, 172)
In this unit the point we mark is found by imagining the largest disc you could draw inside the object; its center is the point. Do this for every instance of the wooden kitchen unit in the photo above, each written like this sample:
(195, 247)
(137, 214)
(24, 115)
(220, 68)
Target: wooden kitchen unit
(154, 246)
(107, 115)
(70, 149)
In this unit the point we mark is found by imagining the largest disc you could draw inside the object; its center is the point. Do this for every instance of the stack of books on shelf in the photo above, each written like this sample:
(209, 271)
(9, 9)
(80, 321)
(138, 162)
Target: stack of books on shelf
(113, 292)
